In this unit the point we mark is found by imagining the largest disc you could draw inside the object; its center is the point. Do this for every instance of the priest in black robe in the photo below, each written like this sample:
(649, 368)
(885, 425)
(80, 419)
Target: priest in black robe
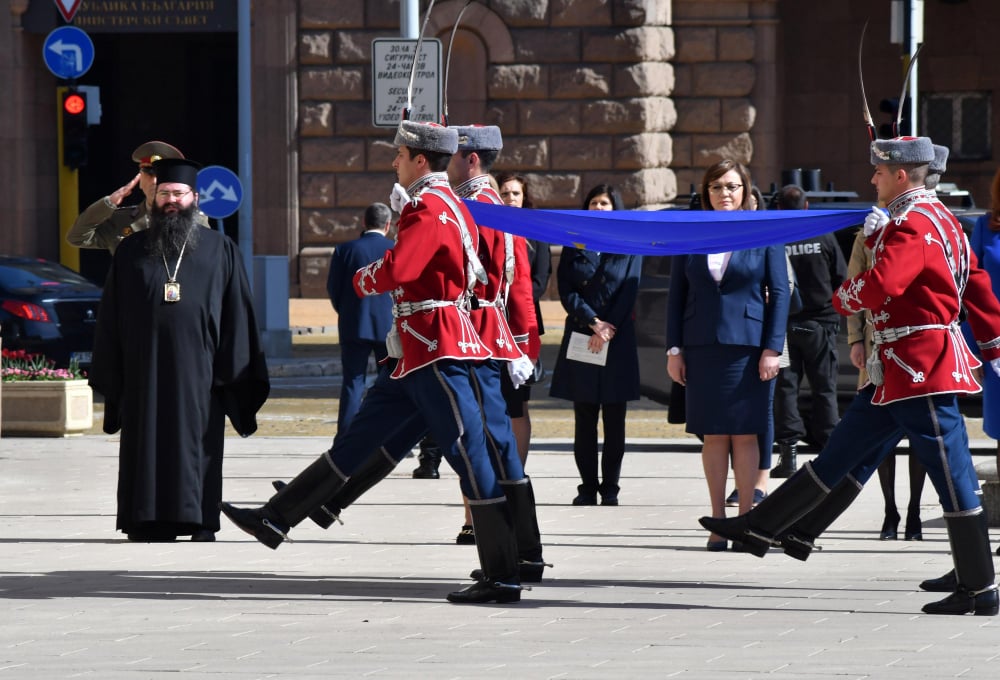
(176, 351)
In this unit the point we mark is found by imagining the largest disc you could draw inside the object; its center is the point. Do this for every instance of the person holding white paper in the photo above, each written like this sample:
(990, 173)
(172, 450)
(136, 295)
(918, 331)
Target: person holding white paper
(598, 292)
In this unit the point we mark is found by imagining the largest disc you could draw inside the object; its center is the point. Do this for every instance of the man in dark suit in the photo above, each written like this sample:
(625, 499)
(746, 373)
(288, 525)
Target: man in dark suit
(362, 322)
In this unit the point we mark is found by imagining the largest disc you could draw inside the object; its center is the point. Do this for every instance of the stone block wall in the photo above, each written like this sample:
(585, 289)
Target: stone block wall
(581, 88)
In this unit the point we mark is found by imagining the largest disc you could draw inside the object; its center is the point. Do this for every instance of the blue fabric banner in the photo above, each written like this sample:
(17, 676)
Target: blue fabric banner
(664, 232)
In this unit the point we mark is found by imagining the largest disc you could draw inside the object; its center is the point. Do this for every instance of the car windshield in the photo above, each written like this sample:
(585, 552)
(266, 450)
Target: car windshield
(27, 274)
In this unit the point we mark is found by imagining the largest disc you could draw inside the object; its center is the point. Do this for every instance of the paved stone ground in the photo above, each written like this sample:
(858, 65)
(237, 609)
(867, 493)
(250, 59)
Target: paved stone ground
(633, 592)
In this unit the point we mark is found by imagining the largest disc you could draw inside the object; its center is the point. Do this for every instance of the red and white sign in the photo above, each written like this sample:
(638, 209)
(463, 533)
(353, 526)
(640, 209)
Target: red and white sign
(68, 8)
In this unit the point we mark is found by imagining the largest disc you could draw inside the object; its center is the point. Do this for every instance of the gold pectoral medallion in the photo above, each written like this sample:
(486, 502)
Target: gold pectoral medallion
(171, 291)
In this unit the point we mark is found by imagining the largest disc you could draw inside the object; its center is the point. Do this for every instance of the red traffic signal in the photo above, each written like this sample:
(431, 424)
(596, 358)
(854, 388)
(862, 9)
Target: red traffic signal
(75, 104)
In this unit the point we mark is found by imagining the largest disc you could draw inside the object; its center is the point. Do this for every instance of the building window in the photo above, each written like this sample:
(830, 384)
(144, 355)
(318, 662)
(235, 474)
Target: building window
(960, 121)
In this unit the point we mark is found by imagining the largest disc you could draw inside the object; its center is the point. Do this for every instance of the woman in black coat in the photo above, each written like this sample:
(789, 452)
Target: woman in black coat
(598, 292)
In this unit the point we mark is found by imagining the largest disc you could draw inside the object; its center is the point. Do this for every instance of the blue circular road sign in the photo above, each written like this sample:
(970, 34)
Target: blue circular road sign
(220, 192)
(68, 52)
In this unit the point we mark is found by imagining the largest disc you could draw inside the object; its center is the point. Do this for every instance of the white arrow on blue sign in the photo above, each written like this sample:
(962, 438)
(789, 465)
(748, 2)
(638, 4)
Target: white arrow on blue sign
(220, 192)
(68, 52)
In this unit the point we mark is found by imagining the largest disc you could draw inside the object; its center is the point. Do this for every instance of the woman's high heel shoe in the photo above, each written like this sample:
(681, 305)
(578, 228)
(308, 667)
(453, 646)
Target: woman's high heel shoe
(890, 527)
(913, 530)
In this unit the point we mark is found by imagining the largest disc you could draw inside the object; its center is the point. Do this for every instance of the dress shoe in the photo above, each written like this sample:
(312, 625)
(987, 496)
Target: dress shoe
(962, 601)
(944, 584)
(260, 523)
(607, 499)
(733, 499)
(203, 536)
(466, 536)
(913, 531)
(426, 470)
(584, 498)
(758, 496)
(890, 528)
(482, 592)
(717, 546)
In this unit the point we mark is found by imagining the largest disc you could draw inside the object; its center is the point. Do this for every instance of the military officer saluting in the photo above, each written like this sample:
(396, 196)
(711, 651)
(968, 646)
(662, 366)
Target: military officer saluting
(106, 222)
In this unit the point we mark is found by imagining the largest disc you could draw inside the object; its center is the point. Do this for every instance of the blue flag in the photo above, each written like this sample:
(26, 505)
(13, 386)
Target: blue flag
(663, 232)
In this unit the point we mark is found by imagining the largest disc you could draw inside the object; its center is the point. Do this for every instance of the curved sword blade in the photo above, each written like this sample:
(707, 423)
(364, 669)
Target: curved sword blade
(861, 78)
(447, 63)
(902, 96)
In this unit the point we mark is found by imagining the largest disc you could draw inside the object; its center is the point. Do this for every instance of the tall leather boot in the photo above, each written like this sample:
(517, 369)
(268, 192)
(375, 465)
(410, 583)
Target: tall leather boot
(271, 522)
(976, 592)
(757, 529)
(373, 470)
(798, 540)
(497, 549)
(521, 498)
(429, 458)
(786, 461)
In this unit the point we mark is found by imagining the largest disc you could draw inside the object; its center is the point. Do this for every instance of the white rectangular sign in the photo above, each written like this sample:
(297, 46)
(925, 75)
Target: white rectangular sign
(391, 61)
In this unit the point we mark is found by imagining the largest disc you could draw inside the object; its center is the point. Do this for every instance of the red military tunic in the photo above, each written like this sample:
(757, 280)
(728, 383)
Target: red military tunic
(505, 319)
(922, 273)
(427, 274)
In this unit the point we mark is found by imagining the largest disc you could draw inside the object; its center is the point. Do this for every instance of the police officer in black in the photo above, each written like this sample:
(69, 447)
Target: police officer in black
(819, 268)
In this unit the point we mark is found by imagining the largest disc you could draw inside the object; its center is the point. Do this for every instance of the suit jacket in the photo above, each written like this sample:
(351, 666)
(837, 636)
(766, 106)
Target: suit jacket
(368, 318)
(732, 311)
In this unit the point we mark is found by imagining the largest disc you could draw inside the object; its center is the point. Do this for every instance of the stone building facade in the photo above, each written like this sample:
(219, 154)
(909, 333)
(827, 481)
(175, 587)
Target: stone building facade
(641, 93)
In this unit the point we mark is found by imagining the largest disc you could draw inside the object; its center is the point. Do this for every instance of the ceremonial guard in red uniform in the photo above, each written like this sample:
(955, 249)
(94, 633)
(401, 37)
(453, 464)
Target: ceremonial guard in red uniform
(504, 291)
(505, 320)
(923, 274)
(430, 273)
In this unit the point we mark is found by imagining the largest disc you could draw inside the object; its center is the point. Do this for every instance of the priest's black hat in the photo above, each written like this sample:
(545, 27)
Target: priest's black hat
(176, 171)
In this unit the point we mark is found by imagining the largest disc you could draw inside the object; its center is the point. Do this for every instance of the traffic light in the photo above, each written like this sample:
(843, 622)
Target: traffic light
(74, 128)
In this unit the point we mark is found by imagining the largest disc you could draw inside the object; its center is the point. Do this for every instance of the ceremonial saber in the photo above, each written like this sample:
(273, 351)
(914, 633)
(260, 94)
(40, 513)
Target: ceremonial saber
(447, 63)
(872, 135)
(902, 96)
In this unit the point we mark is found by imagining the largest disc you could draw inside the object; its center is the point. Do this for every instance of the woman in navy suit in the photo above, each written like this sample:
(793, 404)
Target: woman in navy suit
(726, 316)
(598, 291)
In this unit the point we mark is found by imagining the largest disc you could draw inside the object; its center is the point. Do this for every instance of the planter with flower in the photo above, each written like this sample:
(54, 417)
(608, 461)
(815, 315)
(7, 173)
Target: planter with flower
(39, 399)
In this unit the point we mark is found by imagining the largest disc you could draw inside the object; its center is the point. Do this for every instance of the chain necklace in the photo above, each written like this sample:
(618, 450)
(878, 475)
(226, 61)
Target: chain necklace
(172, 289)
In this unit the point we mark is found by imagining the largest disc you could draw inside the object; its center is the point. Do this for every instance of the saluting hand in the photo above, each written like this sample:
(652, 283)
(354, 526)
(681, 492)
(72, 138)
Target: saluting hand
(119, 195)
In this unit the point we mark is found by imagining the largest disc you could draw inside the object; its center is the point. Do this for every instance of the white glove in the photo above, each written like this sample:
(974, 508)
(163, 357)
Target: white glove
(398, 197)
(995, 365)
(521, 368)
(875, 220)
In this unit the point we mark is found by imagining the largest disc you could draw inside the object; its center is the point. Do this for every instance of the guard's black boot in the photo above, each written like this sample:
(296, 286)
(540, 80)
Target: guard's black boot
(943, 584)
(429, 458)
(497, 548)
(799, 540)
(757, 530)
(786, 461)
(373, 470)
(270, 523)
(970, 549)
(521, 498)
(324, 516)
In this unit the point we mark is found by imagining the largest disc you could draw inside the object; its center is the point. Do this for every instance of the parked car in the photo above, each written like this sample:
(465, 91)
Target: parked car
(651, 320)
(47, 308)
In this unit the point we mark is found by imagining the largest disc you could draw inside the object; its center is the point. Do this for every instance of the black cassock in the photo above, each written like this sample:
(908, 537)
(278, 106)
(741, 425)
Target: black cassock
(170, 373)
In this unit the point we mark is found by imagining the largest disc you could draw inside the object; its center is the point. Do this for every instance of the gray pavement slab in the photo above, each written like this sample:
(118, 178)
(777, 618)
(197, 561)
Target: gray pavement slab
(633, 591)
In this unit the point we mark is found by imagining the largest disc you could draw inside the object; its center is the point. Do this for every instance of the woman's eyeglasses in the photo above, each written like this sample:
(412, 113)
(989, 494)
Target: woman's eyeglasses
(728, 188)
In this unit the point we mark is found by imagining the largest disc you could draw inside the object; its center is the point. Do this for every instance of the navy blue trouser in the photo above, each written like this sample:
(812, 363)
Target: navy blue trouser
(439, 398)
(868, 433)
(500, 441)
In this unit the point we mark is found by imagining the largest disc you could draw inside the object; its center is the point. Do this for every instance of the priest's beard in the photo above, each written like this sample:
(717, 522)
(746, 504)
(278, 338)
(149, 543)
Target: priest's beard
(168, 232)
